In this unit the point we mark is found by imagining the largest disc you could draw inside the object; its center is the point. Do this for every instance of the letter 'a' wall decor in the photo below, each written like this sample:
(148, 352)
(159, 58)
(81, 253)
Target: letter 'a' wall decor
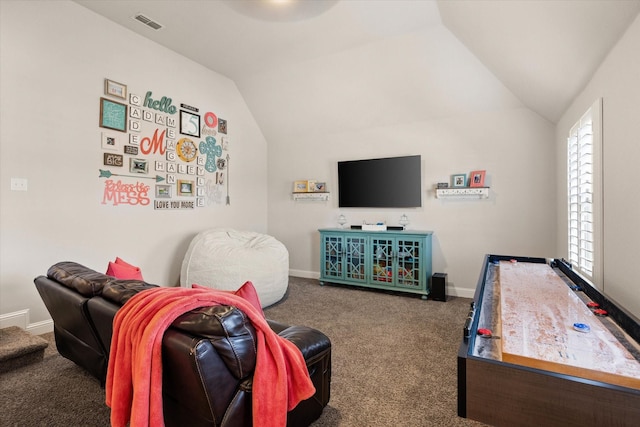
(159, 155)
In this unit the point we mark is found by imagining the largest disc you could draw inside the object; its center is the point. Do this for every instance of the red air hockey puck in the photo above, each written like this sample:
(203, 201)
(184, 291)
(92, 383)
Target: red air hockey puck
(600, 312)
(593, 304)
(484, 332)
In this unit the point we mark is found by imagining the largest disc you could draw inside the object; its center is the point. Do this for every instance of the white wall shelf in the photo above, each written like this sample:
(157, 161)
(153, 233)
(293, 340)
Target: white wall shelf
(463, 193)
(315, 196)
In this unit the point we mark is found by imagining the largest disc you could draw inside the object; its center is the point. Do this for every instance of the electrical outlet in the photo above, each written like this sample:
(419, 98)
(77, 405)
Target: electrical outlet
(19, 184)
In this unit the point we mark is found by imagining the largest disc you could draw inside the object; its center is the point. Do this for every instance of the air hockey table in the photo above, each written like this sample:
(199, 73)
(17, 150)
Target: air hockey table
(541, 346)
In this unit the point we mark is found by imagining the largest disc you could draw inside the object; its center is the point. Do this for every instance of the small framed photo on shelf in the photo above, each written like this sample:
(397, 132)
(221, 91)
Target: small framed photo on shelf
(115, 89)
(300, 186)
(459, 180)
(476, 179)
(318, 187)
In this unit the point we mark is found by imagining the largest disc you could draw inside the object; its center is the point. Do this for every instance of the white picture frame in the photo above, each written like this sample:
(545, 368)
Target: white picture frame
(111, 142)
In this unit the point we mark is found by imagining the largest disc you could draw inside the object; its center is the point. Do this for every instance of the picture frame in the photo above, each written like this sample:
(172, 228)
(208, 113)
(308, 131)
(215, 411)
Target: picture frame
(115, 89)
(137, 165)
(459, 180)
(318, 187)
(110, 141)
(300, 186)
(113, 160)
(476, 178)
(130, 149)
(113, 115)
(189, 124)
(222, 125)
(185, 187)
(163, 191)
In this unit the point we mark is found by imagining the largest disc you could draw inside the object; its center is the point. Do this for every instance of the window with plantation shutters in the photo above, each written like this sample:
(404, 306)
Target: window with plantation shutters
(584, 193)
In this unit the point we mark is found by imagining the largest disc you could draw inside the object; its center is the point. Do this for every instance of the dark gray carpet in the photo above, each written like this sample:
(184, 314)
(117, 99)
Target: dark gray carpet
(54, 392)
(393, 357)
(394, 364)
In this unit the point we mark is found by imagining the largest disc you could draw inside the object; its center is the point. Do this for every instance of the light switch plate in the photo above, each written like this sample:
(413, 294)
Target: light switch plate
(19, 184)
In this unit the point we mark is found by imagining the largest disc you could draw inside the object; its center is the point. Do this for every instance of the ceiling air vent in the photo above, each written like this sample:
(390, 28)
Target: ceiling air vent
(147, 21)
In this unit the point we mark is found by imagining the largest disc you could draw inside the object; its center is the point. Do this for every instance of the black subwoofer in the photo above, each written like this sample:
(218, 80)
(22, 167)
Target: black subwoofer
(438, 287)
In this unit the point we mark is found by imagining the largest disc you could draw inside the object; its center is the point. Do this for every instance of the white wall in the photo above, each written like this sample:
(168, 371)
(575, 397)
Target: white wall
(616, 82)
(54, 59)
(419, 93)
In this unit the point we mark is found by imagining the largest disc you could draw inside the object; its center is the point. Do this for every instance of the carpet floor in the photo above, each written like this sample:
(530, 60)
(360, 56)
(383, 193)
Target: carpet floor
(393, 364)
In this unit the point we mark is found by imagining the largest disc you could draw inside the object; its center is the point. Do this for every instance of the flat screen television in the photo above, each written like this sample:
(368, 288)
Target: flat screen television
(392, 182)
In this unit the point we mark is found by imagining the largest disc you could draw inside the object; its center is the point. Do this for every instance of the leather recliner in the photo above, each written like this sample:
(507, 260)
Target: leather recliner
(207, 356)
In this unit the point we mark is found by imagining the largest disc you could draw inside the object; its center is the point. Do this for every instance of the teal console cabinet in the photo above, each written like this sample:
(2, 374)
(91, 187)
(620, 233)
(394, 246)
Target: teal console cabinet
(393, 260)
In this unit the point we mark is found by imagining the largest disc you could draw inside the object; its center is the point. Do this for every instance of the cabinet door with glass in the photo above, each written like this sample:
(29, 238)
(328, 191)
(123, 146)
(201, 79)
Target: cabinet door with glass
(408, 263)
(343, 257)
(355, 258)
(396, 261)
(382, 269)
(332, 257)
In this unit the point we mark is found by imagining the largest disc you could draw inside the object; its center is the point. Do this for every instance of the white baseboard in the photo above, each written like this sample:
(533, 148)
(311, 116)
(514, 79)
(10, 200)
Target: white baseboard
(17, 318)
(21, 319)
(451, 290)
(304, 274)
(461, 292)
(40, 328)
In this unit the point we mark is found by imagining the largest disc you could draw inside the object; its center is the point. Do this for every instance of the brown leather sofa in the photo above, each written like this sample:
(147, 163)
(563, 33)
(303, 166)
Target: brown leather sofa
(207, 355)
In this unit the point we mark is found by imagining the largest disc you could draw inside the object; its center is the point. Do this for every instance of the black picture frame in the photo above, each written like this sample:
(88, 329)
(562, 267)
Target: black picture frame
(189, 124)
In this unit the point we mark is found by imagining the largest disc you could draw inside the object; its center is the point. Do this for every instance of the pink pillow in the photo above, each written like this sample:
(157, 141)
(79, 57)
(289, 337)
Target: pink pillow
(123, 270)
(246, 291)
(126, 264)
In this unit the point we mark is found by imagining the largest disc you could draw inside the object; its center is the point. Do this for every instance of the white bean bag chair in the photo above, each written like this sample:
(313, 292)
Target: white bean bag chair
(225, 259)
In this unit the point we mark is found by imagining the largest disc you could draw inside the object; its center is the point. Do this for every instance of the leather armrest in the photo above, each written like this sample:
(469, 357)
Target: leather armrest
(311, 342)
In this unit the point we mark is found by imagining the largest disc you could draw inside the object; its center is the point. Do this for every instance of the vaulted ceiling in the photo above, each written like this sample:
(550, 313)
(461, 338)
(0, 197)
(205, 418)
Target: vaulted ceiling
(543, 51)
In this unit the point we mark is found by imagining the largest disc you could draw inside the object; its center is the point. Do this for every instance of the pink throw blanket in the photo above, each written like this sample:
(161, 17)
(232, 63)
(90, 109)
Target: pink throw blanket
(134, 376)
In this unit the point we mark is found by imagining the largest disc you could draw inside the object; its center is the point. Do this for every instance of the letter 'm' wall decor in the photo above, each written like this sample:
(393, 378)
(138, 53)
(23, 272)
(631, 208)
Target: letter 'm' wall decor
(159, 155)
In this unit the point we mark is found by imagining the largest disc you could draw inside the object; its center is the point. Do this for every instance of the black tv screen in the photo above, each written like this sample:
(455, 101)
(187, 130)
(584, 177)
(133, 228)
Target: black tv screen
(392, 182)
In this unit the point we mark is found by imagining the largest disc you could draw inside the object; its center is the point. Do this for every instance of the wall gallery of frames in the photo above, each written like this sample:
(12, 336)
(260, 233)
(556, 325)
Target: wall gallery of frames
(155, 153)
